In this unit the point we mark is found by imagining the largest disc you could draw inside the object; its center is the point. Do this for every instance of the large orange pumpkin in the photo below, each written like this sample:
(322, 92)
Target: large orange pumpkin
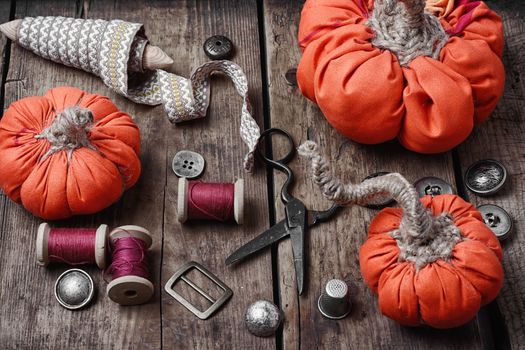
(443, 293)
(366, 93)
(66, 153)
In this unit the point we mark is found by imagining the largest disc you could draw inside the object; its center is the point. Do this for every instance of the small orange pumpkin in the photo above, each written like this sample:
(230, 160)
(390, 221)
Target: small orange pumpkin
(444, 293)
(433, 261)
(373, 82)
(66, 153)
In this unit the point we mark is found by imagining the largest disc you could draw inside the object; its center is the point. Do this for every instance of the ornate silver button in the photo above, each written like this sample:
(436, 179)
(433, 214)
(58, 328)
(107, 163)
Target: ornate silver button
(433, 186)
(497, 219)
(485, 177)
(74, 289)
(334, 301)
(188, 164)
(263, 318)
(381, 201)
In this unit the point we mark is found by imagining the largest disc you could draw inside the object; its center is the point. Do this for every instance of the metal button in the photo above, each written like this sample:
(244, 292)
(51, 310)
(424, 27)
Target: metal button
(433, 186)
(291, 76)
(383, 201)
(74, 289)
(218, 47)
(188, 164)
(485, 177)
(263, 318)
(334, 302)
(497, 219)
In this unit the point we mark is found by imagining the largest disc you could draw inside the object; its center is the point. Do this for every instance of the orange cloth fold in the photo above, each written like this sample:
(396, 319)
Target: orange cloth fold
(442, 294)
(430, 105)
(58, 186)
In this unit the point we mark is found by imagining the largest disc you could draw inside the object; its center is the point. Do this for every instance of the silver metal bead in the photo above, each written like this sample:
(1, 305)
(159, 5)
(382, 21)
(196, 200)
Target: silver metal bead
(334, 301)
(74, 289)
(263, 318)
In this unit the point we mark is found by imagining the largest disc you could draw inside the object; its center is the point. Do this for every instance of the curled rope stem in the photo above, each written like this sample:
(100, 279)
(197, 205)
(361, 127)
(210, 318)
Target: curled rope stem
(405, 29)
(417, 221)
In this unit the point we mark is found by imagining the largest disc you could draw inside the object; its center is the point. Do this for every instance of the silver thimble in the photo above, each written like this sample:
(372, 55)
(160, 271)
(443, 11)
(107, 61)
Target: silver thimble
(334, 301)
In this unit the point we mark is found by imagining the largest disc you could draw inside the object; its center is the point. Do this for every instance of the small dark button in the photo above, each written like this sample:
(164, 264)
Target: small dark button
(381, 201)
(291, 77)
(433, 186)
(485, 177)
(218, 47)
(188, 164)
(497, 219)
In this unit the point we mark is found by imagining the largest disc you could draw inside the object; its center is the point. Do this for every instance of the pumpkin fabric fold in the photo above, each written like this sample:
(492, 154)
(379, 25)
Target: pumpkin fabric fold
(442, 294)
(55, 181)
(430, 105)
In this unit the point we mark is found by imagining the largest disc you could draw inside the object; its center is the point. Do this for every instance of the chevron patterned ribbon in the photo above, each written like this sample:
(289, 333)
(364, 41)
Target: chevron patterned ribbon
(113, 50)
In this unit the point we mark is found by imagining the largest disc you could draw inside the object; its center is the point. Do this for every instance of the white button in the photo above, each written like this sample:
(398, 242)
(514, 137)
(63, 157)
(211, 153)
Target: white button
(188, 164)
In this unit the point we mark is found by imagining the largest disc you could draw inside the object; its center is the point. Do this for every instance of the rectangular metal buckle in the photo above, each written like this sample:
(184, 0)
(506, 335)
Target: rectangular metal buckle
(216, 304)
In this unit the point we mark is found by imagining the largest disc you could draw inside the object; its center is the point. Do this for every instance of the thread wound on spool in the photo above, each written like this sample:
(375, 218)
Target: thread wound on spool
(129, 257)
(210, 201)
(129, 268)
(72, 246)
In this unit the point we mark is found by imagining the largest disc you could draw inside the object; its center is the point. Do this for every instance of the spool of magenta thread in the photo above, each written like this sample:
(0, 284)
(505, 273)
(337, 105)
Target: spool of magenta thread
(72, 246)
(221, 202)
(130, 284)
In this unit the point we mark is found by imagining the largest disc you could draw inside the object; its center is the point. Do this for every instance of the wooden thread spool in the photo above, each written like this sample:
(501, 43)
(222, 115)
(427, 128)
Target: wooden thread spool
(130, 290)
(42, 247)
(238, 201)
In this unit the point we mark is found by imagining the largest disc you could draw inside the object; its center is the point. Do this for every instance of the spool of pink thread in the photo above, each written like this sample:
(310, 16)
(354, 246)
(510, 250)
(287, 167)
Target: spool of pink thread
(72, 246)
(210, 201)
(130, 284)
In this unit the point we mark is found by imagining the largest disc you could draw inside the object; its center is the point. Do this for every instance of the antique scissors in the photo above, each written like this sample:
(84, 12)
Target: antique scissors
(297, 218)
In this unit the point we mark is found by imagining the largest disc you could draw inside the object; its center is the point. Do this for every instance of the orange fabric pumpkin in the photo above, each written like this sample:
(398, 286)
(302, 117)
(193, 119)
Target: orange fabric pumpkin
(55, 183)
(429, 104)
(442, 294)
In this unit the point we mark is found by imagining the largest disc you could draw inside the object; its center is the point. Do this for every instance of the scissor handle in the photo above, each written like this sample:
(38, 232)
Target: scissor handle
(280, 164)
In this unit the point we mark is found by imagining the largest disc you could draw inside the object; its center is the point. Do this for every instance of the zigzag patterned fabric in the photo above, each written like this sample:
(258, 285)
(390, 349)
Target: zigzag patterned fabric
(113, 51)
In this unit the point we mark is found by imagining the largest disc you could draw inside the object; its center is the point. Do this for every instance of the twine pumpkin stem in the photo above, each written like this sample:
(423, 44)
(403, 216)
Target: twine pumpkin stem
(404, 28)
(69, 131)
(422, 238)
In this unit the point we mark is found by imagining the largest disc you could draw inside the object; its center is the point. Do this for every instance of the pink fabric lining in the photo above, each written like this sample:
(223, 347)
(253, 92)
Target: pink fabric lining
(466, 18)
(309, 36)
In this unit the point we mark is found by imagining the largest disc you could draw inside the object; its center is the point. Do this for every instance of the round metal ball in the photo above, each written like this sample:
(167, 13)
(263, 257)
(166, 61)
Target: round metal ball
(263, 318)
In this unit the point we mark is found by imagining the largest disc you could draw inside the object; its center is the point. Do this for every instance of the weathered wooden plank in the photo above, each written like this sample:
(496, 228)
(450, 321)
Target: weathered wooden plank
(6, 6)
(217, 139)
(501, 138)
(31, 318)
(333, 247)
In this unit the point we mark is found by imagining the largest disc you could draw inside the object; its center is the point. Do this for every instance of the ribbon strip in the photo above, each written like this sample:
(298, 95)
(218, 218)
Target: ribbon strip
(113, 50)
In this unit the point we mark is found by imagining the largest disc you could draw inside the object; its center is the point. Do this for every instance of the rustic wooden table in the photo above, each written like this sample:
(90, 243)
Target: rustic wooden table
(264, 33)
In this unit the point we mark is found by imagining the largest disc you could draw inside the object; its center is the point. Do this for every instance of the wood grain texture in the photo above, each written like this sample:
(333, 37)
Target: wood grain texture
(333, 246)
(502, 138)
(31, 317)
(181, 28)
(217, 138)
(6, 6)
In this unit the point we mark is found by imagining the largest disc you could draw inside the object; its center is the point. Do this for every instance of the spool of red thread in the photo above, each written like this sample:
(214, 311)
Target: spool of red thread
(73, 246)
(210, 201)
(131, 286)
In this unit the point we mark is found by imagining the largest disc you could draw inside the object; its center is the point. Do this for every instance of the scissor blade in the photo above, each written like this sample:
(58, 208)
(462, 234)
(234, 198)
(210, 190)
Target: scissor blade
(272, 235)
(297, 239)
